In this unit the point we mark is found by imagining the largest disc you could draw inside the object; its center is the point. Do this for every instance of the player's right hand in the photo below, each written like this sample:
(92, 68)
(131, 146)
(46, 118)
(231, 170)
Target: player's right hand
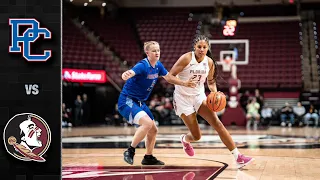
(190, 83)
(127, 74)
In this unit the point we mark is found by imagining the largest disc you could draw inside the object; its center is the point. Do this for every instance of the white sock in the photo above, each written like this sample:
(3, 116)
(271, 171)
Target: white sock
(184, 139)
(235, 153)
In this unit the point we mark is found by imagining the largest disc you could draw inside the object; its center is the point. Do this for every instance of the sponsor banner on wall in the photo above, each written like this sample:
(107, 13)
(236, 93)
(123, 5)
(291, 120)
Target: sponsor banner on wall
(84, 75)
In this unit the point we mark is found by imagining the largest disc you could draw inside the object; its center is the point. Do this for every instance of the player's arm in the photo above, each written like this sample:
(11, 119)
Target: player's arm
(181, 63)
(139, 68)
(128, 74)
(210, 80)
(170, 77)
(174, 80)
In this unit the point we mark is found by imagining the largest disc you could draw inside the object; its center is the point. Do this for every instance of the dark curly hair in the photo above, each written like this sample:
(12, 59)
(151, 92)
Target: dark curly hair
(209, 53)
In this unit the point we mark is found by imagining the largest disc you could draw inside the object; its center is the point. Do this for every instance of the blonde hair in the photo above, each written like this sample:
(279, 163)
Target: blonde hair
(147, 44)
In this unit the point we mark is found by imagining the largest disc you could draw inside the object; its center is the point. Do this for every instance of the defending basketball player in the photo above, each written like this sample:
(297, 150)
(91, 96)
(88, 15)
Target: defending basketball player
(188, 102)
(131, 103)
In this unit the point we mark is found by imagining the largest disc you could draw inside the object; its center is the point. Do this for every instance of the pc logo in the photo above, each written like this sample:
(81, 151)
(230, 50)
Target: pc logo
(21, 43)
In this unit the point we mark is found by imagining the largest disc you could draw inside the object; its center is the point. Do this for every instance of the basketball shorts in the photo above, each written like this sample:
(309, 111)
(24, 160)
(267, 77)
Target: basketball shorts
(133, 110)
(187, 104)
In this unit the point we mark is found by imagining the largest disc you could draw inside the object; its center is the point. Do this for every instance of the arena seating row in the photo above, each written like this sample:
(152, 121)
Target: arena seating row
(80, 52)
(274, 59)
(118, 34)
(175, 35)
(77, 48)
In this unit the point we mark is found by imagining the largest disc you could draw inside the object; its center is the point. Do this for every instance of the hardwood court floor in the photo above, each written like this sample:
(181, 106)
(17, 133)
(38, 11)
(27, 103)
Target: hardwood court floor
(280, 153)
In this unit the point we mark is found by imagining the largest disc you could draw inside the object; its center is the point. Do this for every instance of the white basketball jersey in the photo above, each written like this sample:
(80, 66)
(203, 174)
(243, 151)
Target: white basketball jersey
(198, 72)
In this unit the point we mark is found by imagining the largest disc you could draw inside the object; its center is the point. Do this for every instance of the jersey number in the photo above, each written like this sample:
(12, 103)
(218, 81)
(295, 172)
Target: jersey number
(195, 76)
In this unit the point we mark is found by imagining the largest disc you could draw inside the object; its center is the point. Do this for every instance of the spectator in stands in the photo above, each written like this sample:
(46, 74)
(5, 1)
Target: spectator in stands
(167, 104)
(266, 113)
(140, 81)
(253, 113)
(154, 102)
(65, 116)
(244, 99)
(312, 113)
(259, 98)
(287, 112)
(161, 109)
(299, 111)
(78, 111)
(86, 109)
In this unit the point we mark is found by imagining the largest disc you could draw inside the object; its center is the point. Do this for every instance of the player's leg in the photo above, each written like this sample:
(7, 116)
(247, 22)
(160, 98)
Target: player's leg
(194, 133)
(134, 114)
(148, 158)
(191, 122)
(183, 106)
(146, 124)
(152, 133)
(150, 141)
(142, 119)
(212, 118)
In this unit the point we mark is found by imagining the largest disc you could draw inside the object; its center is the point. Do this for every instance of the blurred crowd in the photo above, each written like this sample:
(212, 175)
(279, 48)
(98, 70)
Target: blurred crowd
(77, 115)
(260, 113)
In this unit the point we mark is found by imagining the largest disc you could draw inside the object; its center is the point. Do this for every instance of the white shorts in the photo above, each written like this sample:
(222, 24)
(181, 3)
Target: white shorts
(187, 104)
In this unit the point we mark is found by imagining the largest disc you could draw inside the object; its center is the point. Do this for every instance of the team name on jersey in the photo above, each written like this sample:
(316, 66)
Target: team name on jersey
(152, 76)
(198, 71)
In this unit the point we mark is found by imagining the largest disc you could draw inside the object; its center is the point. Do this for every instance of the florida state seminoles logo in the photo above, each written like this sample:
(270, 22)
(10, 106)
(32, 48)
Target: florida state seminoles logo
(27, 137)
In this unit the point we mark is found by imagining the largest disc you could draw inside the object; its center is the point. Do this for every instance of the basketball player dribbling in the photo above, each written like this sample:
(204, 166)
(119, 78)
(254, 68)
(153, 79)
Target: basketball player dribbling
(188, 102)
(140, 81)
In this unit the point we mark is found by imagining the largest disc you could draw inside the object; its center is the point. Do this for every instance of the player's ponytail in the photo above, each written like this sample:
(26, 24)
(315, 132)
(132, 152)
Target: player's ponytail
(215, 65)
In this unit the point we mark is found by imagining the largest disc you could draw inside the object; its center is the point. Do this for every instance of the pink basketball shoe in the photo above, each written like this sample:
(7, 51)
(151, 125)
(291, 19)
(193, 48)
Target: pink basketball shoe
(243, 161)
(188, 149)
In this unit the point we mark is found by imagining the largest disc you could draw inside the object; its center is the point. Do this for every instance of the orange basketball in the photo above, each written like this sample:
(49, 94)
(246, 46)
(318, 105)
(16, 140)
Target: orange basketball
(216, 101)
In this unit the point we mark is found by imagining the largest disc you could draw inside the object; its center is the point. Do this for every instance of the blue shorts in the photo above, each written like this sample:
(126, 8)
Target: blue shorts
(129, 108)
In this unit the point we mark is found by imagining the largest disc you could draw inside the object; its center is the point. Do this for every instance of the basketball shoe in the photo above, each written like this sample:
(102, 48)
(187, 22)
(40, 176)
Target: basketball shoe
(188, 149)
(243, 161)
(128, 156)
(151, 160)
